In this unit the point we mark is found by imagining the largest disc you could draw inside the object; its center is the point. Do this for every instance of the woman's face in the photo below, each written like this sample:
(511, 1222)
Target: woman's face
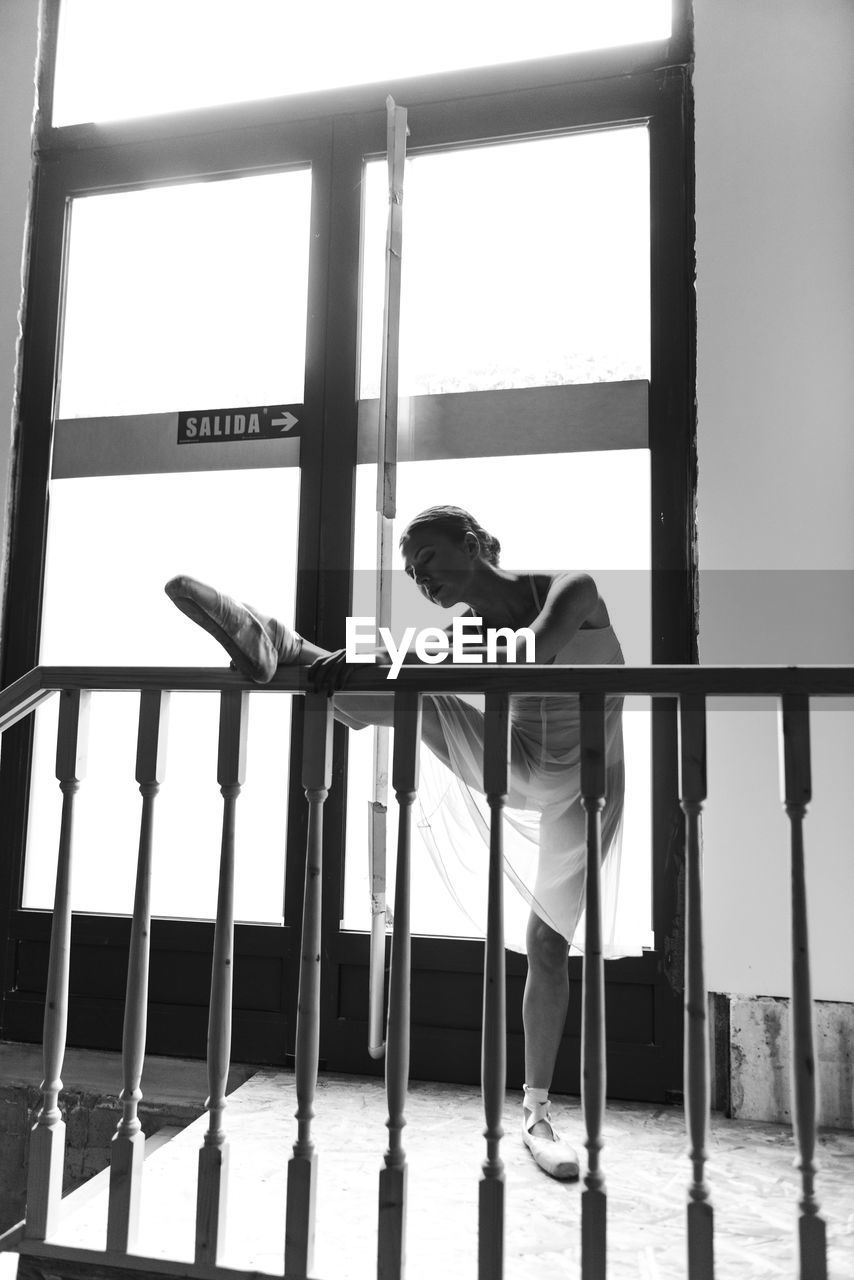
(441, 567)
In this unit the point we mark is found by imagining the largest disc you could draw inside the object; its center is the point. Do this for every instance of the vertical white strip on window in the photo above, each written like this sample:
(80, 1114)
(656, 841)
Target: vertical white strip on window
(386, 509)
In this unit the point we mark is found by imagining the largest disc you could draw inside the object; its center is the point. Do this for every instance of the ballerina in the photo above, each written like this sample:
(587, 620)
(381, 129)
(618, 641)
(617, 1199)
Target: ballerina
(452, 560)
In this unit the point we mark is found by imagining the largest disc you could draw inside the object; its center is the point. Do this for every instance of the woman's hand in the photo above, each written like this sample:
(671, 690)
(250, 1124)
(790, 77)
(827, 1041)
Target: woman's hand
(332, 673)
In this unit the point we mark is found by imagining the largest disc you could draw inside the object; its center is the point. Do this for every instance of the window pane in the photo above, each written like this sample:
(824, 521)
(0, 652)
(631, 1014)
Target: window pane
(524, 264)
(113, 542)
(140, 57)
(574, 510)
(190, 296)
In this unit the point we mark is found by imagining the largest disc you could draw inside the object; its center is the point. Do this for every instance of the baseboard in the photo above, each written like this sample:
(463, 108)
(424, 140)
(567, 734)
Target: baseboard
(751, 1050)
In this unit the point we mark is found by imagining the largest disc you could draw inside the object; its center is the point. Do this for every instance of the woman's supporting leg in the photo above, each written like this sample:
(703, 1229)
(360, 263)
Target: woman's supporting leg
(545, 1001)
(544, 1009)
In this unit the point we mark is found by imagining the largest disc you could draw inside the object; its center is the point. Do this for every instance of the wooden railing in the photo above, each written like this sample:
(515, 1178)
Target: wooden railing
(794, 687)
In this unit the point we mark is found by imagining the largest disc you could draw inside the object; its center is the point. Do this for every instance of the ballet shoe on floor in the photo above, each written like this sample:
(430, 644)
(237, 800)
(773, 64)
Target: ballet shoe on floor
(256, 644)
(553, 1154)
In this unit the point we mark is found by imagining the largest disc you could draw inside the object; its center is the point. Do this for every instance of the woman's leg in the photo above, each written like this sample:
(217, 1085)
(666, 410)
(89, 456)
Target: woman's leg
(545, 1001)
(256, 643)
(544, 1007)
(451, 728)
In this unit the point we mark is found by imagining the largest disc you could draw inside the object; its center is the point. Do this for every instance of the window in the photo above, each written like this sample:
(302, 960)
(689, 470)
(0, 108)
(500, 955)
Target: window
(186, 296)
(249, 295)
(113, 542)
(177, 297)
(524, 266)
(596, 531)
(148, 56)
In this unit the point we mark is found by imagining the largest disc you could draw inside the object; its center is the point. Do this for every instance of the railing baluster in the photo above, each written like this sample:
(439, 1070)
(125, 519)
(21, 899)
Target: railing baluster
(692, 763)
(128, 1145)
(797, 792)
(213, 1155)
(302, 1166)
(494, 1051)
(593, 1198)
(47, 1139)
(391, 1245)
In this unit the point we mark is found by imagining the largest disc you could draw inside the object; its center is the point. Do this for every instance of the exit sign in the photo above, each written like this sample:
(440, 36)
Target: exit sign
(260, 422)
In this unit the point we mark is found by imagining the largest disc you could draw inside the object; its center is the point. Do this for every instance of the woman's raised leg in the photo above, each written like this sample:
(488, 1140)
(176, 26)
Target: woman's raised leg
(457, 741)
(256, 643)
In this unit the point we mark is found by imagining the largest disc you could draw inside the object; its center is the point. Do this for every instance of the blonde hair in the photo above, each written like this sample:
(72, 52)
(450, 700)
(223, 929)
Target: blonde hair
(456, 523)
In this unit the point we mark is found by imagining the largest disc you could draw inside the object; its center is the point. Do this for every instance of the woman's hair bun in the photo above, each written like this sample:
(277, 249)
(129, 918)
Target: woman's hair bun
(456, 522)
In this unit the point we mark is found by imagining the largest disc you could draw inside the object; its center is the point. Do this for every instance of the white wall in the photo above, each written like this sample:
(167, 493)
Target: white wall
(774, 86)
(18, 33)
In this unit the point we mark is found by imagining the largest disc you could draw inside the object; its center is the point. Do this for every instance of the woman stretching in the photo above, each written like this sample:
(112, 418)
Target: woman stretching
(452, 560)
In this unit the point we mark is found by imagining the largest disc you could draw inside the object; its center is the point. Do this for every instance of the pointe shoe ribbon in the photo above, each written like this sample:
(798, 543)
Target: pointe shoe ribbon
(553, 1154)
(245, 634)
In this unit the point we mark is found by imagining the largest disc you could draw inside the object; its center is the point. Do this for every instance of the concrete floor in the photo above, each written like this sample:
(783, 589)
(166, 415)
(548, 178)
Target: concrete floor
(754, 1189)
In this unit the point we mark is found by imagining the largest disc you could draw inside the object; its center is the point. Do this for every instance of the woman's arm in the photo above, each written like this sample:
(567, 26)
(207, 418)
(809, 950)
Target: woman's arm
(571, 600)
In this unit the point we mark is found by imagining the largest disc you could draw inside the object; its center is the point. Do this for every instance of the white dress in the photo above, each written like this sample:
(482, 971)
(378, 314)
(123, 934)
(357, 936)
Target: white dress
(545, 847)
(545, 850)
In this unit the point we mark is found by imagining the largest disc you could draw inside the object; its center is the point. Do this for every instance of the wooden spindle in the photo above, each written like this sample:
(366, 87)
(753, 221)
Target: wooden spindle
(213, 1155)
(392, 1193)
(797, 792)
(128, 1145)
(494, 1045)
(692, 763)
(47, 1138)
(302, 1166)
(593, 1198)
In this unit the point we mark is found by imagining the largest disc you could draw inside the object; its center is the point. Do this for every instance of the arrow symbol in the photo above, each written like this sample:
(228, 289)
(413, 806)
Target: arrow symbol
(285, 423)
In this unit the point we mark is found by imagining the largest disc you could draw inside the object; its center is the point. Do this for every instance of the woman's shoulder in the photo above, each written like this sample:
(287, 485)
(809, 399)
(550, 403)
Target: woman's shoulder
(559, 580)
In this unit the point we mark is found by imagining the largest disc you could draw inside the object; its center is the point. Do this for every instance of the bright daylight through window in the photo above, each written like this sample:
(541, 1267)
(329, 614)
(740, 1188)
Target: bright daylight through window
(177, 297)
(549, 293)
(191, 294)
(144, 57)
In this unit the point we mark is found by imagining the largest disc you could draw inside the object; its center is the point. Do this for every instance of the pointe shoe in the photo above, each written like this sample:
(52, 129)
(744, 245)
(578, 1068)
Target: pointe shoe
(553, 1154)
(254, 643)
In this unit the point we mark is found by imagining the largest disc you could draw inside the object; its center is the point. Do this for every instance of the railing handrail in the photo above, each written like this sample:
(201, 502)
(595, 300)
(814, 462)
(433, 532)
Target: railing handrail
(532, 679)
(21, 697)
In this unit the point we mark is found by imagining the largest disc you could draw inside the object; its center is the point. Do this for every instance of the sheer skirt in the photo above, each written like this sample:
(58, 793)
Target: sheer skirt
(545, 846)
